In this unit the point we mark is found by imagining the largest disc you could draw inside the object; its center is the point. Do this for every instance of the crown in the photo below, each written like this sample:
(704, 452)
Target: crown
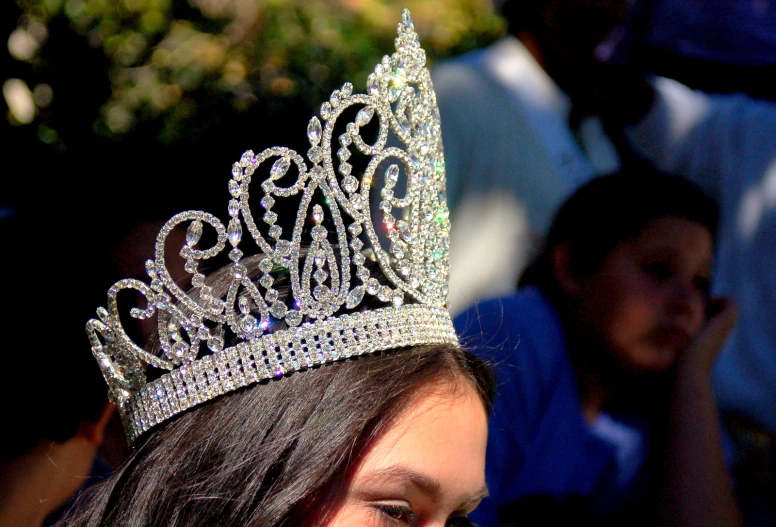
(323, 315)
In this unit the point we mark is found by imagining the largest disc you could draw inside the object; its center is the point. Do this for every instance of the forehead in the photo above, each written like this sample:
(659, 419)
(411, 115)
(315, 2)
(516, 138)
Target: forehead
(441, 437)
(675, 233)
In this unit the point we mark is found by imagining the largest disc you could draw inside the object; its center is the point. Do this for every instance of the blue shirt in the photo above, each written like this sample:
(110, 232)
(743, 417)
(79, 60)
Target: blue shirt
(539, 443)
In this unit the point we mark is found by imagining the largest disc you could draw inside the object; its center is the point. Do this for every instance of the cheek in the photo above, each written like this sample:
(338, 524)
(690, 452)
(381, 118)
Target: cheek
(631, 307)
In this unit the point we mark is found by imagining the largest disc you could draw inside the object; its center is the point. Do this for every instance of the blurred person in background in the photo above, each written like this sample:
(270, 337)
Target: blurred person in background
(720, 46)
(514, 145)
(54, 405)
(604, 412)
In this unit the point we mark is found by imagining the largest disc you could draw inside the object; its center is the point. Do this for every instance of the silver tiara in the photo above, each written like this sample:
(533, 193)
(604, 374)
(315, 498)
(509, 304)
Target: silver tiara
(327, 269)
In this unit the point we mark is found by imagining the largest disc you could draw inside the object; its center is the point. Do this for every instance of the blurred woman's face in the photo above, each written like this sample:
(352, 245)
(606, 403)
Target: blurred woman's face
(648, 299)
(428, 469)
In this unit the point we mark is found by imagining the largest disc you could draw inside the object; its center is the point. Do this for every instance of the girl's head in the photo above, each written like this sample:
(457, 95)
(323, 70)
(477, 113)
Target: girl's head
(627, 263)
(394, 437)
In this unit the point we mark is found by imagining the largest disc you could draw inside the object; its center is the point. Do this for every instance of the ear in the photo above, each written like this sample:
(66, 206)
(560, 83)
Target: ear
(561, 269)
(94, 432)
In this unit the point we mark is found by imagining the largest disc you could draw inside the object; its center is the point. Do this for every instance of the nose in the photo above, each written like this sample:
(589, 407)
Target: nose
(687, 302)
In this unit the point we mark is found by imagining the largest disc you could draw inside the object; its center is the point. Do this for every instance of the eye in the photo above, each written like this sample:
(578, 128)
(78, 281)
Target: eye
(398, 514)
(659, 270)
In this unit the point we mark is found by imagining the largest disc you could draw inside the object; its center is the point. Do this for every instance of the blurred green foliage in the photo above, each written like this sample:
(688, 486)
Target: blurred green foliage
(182, 64)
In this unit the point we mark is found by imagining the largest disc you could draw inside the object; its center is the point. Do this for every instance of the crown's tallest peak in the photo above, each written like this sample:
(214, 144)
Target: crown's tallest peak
(406, 17)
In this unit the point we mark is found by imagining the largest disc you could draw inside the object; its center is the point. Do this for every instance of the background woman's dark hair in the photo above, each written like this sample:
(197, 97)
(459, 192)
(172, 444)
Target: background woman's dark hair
(51, 383)
(610, 209)
(277, 453)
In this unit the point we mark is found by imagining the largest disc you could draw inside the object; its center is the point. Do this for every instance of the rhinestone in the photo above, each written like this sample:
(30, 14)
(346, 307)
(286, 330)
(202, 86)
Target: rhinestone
(267, 201)
(247, 324)
(198, 280)
(180, 350)
(372, 286)
(396, 84)
(319, 259)
(343, 154)
(270, 217)
(268, 186)
(244, 305)
(236, 171)
(347, 89)
(384, 293)
(326, 110)
(234, 208)
(318, 232)
(345, 169)
(317, 214)
(355, 297)
(275, 231)
(234, 232)
(293, 317)
(362, 273)
(190, 266)
(234, 188)
(314, 131)
(354, 229)
(266, 281)
(365, 115)
(283, 247)
(271, 295)
(359, 259)
(235, 254)
(317, 173)
(315, 154)
(404, 268)
(320, 292)
(266, 265)
(193, 233)
(320, 275)
(350, 184)
(398, 298)
(279, 168)
(278, 310)
(372, 85)
(404, 123)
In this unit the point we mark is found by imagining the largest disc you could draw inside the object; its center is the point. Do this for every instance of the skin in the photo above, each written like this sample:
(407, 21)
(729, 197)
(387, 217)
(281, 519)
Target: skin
(35, 484)
(427, 470)
(648, 299)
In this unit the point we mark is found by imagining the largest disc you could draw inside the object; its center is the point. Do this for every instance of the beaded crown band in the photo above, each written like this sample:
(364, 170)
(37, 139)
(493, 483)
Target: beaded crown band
(327, 270)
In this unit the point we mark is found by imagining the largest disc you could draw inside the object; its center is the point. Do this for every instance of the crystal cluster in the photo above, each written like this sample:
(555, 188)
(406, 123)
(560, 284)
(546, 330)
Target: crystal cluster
(326, 265)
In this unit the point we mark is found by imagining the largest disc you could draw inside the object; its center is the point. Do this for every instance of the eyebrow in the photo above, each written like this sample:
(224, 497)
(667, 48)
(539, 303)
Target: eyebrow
(426, 484)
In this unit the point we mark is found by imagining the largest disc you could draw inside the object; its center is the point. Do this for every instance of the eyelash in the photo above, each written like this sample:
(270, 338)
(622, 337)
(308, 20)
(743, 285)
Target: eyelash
(398, 513)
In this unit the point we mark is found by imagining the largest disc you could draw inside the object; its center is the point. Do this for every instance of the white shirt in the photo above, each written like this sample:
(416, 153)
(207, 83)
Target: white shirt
(511, 159)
